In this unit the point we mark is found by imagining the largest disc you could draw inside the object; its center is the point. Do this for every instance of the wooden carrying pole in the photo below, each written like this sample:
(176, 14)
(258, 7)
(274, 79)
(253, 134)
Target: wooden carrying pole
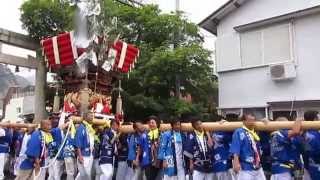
(209, 126)
(18, 125)
(230, 126)
(218, 126)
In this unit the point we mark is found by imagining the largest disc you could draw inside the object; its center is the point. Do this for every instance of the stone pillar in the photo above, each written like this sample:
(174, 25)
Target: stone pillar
(40, 95)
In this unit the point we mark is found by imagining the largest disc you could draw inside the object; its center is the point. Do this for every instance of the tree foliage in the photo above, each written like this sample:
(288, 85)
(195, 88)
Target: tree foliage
(43, 18)
(147, 90)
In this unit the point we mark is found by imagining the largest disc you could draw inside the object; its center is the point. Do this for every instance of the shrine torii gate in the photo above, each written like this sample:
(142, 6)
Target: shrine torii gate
(37, 63)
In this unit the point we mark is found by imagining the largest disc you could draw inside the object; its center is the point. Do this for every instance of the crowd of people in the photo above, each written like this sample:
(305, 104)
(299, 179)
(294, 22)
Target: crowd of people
(103, 153)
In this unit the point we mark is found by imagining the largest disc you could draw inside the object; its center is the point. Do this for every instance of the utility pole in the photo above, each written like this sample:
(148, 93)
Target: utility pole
(177, 6)
(175, 44)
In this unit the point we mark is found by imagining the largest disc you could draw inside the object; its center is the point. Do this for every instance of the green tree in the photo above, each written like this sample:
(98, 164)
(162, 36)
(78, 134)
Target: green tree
(147, 90)
(43, 18)
(149, 85)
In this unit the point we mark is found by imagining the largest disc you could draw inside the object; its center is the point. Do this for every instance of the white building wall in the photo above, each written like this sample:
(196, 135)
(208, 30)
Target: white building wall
(26, 105)
(253, 87)
(256, 10)
(11, 108)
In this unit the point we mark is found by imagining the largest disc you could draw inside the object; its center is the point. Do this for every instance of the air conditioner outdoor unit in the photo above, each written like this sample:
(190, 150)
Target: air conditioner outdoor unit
(280, 72)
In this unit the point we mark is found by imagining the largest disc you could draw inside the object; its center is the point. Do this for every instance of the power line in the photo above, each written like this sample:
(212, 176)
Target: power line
(131, 3)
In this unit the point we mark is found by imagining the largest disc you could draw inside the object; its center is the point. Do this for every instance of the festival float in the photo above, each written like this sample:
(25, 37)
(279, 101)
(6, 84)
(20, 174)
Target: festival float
(89, 61)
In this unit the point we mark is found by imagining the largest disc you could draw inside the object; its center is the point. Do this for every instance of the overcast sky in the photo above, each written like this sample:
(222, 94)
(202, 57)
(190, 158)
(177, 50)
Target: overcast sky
(196, 10)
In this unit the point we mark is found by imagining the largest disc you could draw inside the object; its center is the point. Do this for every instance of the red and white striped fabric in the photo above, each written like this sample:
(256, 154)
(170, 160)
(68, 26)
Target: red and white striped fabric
(60, 50)
(126, 56)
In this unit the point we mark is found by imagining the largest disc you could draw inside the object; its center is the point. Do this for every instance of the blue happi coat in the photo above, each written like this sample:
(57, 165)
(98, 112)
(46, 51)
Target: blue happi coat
(167, 151)
(123, 149)
(97, 146)
(139, 141)
(298, 150)
(69, 148)
(34, 150)
(133, 141)
(5, 141)
(265, 142)
(283, 152)
(202, 158)
(15, 146)
(220, 154)
(145, 146)
(241, 146)
(54, 146)
(82, 140)
(312, 140)
(107, 147)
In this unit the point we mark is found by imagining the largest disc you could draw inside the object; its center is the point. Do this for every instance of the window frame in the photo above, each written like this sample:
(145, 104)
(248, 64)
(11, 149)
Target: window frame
(292, 58)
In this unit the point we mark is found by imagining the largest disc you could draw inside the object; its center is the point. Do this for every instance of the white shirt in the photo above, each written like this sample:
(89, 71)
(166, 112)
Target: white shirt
(91, 142)
(25, 140)
(2, 132)
(201, 140)
(178, 148)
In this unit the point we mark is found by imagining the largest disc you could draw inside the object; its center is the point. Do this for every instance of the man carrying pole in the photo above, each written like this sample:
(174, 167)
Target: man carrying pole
(108, 151)
(283, 146)
(221, 156)
(199, 152)
(134, 152)
(96, 170)
(69, 154)
(139, 155)
(123, 168)
(312, 139)
(22, 149)
(84, 142)
(56, 170)
(36, 153)
(5, 141)
(246, 152)
(171, 149)
(152, 171)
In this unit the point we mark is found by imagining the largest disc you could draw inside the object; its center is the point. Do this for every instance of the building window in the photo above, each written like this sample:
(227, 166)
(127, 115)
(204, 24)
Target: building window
(268, 45)
(259, 113)
(290, 115)
(18, 109)
(251, 48)
(236, 111)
